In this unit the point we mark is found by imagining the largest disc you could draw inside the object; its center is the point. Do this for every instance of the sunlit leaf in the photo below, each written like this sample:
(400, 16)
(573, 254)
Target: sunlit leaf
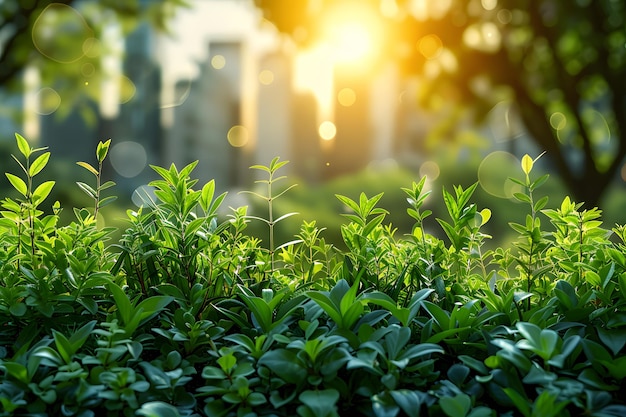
(17, 183)
(527, 164)
(22, 145)
(102, 149)
(39, 164)
(88, 167)
(42, 191)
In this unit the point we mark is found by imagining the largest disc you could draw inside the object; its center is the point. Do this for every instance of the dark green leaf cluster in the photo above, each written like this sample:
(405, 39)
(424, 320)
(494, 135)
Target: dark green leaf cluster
(187, 315)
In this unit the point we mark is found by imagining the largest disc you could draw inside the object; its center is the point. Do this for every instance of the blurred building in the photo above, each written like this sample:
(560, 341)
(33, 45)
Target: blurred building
(136, 130)
(203, 121)
(11, 106)
(130, 118)
(286, 119)
(351, 149)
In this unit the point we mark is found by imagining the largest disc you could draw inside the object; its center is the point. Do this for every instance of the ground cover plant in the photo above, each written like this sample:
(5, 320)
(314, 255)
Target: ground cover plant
(188, 315)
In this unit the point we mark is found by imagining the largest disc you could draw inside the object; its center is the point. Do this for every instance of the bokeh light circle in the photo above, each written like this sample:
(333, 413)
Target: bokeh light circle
(92, 47)
(430, 46)
(346, 97)
(494, 172)
(59, 33)
(127, 89)
(49, 101)
(558, 120)
(87, 69)
(505, 16)
(218, 62)
(430, 169)
(266, 77)
(489, 4)
(327, 130)
(238, 136)
(128, 158)
(143, 196)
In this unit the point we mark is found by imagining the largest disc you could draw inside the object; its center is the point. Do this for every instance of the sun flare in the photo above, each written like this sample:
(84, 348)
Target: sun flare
(352, 42)
(350, 29)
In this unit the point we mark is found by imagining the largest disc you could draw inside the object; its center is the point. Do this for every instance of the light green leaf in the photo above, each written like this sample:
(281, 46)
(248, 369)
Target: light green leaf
(23, 146)
(102, 149)
(88, 167)
(17, 183)
(39, 164)
(42, 191)
(527, 164)
(485, 214)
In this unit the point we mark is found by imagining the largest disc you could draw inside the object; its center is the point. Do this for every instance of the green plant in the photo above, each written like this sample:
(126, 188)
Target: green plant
(533, 243)
(101, 152)
(22, 218)
(270, 197)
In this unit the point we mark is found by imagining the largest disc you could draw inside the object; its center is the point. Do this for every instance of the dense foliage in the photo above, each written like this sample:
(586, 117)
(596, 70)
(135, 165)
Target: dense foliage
(187, 314)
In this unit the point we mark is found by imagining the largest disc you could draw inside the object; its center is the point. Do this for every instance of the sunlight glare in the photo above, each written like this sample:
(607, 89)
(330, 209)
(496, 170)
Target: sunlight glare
(351, 29)
(353, 42)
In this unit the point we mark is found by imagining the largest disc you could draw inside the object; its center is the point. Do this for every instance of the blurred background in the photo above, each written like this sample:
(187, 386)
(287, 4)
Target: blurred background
(359, 95)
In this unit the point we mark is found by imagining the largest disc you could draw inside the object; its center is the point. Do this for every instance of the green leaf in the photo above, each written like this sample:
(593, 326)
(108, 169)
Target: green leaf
(527, 164)
(440, 316)
(409, 401)
(541, 203)
(285, 365)
(18, 184)
(485, 215)
(87, 189)
(261, 311)
(152, 306)
(616, 367)
(23, 146)
(372, 224)
(457, 406)
(124, 307)
(88, 167)
(327, 305)
(614, 339)
(157, 409)
(17, 371)
(539, 181)
(520, 401)
(63, 345)
(422, 349)
(546, 405)
(227, 362)
(18, 309)
(102, 149)
(42, 191)
(322, 403)
(106, 201)
(39, 164)
(522, 197)
(106, 185)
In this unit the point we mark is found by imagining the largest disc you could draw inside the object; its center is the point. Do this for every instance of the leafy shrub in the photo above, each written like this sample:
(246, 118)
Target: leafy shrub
(188, 315)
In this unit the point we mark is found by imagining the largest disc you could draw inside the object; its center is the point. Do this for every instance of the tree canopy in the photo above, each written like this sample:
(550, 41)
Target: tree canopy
(67, 42)
(560, 65)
